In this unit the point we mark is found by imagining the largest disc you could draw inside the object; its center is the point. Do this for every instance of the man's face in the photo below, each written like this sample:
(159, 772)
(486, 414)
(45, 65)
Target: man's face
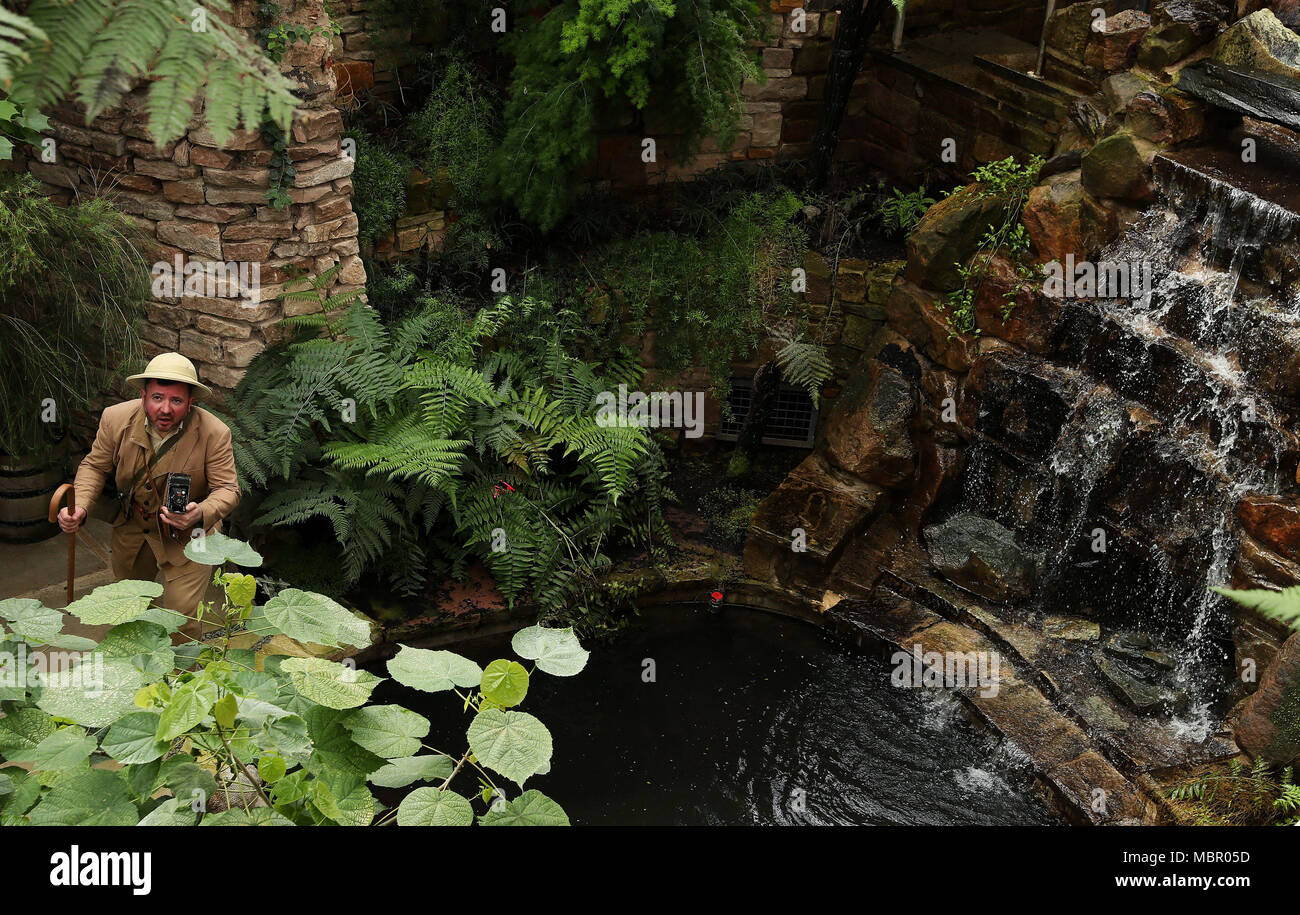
(166, 403)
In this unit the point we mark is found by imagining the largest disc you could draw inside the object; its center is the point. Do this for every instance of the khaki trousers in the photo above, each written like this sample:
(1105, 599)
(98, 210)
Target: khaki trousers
(184, 585)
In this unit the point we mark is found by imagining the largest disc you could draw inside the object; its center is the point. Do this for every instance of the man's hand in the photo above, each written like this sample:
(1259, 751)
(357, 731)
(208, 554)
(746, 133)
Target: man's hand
(68, 523)
(192, 518)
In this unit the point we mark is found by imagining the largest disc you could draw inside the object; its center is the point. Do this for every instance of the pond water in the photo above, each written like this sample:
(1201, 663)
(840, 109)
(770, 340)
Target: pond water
(751, 718)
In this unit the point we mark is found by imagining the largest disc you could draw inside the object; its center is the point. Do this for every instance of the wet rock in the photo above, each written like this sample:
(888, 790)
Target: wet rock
(1116, 167)
(1257, 567)
(981, 555)
(949, 234)
(1274, 521)
(1120, 89)
(1115, 46)
(1097, 712)
(1255, 644)
(1137, 673)
(1054, 216)
(1167, 117)
(1019, 401)
(1071, 629)
(1268, 96)
(919, 317)
(1269, 726)
(870, 429)
(1260, 43)
(828, 505)
(1178, 28)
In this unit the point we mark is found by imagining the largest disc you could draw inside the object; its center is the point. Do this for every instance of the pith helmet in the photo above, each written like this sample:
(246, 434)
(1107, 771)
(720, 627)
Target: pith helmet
(171, 367)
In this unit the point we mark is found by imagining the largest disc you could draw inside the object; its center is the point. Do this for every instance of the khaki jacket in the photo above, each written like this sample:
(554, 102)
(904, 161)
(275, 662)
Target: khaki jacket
(122, 448)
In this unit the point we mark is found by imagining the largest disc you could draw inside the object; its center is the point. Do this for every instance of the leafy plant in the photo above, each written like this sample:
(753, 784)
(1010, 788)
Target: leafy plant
(1010, 183)
(73, 287)
(678, 63)
(19, 127)
(207, 733)
(95, 51)
(1283, 606)
(379, 177)
(900, 213)
(1254, 796)
(475, 435)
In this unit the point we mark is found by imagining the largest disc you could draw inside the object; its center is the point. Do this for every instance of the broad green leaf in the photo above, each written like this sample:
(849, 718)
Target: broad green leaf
(27, 791)
(329, 684)
(431, 807)
(241, 589)
(271, 768)
(310, 617)
(184, 777)
(1283, 606)
(22, 732)
(171, 812)
(256, 712)
(146, 645)
(556, 651)
(217, 549)
(225, 710)
(505, 682)
(513, 743)
(95, 693)
(116, 603)
(398, 773)
(6, 785)
(96, 797)
(532, 808)
(64, 749)
(133, 739)
(433, 671)
(387, 730)
(288, 736)
(30, 620)
(334, 749)
(72, 642)
(189, 705)
(356, 808)
(238, 816)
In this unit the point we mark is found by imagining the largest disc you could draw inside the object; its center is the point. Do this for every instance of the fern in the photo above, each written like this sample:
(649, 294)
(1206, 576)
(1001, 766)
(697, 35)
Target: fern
(98, 50)
(1283, 606)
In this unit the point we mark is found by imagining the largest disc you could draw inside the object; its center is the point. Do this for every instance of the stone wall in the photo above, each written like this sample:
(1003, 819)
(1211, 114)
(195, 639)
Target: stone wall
(207, 202)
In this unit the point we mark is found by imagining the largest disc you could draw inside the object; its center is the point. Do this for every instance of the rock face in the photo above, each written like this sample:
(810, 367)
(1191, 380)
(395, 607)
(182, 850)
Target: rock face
(1269, 96)
(949, 233)
(1261, 43)
(1138, 673)
(1115, 167)
(1274, 521)
(981, 555)
(870, 432)
(1269, 726)
(1178, 28)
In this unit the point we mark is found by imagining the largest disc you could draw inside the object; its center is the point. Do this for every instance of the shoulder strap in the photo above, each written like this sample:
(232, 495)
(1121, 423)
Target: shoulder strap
(166, 446)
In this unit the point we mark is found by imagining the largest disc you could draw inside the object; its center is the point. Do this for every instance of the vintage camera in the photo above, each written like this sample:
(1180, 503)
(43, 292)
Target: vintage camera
(178, 493)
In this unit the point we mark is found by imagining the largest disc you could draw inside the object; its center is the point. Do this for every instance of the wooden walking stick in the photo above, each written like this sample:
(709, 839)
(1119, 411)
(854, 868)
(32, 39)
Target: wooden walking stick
(55, 500)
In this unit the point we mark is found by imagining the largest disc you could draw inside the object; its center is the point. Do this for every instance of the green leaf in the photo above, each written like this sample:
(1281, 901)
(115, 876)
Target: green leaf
(387, 730)
(171, 812)
(398, 773)
(505, 683)
(188, 706)
(240, 589)
(217, 549)
(64, 749)
(96, 797)
(145, 645)
(556, 651)
(225, 710)
(332, 685)
(1283, 606)
(431, 807)
(22, 731)
(311, 617)
(532, 808)
(184, 777)
(116, 603)
(513, 743)
(134, 739)
(95, 693)
(271, 768)
(31, 620)
(356, 808)
(433, 671)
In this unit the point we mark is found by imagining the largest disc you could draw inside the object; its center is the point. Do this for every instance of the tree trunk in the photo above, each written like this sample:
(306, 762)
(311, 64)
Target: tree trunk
(767, 381)
(858, 19)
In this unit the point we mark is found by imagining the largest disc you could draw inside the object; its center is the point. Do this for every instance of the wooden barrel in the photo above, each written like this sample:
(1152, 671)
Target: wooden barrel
(25, 491)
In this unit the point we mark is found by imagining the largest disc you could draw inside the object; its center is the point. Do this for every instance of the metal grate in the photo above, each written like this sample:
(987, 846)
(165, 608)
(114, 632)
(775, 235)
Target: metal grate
(793, 421)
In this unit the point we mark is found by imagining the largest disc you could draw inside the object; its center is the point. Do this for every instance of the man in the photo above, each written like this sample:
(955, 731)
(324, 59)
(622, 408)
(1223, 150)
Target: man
(130, 435)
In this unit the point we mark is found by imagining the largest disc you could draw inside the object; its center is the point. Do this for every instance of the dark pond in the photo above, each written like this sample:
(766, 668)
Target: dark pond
(750, 719)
